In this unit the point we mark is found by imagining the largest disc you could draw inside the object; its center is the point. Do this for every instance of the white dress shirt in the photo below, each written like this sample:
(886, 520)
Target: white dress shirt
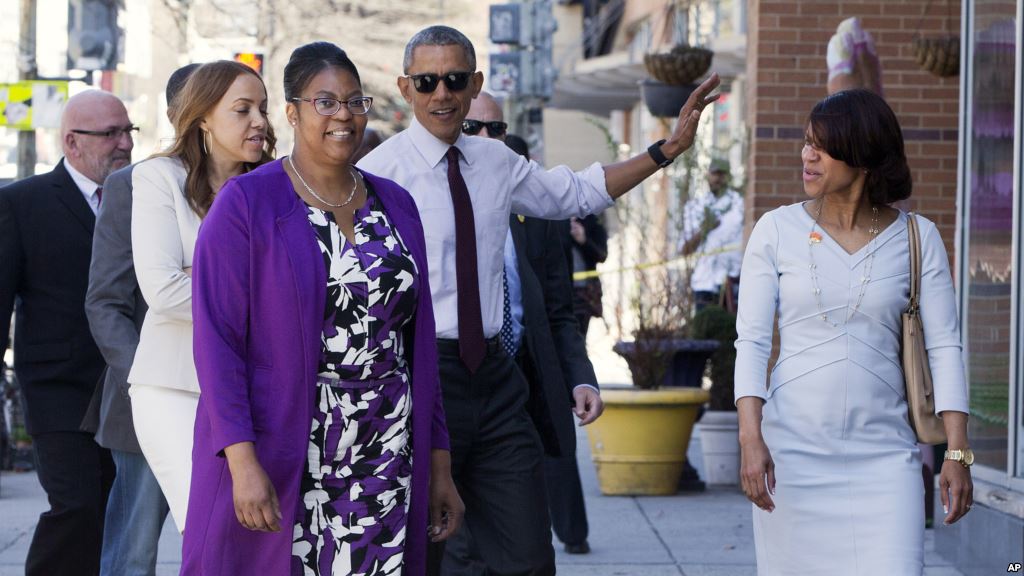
(499, 182)
(710, 272)
(85, 185)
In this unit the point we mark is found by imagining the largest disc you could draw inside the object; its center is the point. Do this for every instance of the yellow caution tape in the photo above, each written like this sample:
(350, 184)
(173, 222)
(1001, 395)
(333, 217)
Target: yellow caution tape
(587, 274)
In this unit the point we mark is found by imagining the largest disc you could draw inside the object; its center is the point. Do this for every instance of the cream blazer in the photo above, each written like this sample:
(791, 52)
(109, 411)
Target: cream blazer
(164, 230)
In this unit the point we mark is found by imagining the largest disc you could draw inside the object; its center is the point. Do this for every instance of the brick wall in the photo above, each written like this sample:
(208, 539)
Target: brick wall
(787, 74)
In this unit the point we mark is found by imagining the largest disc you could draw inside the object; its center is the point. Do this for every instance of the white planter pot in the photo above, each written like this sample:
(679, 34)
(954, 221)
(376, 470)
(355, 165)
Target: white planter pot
(720, 443)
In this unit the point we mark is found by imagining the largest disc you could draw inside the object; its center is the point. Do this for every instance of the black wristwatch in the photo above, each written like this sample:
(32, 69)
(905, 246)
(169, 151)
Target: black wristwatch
(659, 158)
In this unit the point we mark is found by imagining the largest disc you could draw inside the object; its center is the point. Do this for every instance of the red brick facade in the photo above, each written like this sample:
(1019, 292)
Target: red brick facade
(787, 41)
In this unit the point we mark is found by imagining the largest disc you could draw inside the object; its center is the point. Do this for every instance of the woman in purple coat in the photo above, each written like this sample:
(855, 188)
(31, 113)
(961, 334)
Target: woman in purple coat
(320, 444)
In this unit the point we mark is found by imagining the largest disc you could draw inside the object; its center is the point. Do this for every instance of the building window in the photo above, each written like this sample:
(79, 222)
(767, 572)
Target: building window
(987, 264)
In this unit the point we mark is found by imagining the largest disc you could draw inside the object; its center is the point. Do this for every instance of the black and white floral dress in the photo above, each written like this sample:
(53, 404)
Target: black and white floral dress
(355, 490)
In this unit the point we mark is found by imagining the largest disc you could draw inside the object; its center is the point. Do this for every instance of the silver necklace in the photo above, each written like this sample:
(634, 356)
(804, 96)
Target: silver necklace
(351, 195)
(814, 239)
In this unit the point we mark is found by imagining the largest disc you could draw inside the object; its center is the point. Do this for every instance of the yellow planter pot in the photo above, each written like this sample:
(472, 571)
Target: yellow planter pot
(639, 444)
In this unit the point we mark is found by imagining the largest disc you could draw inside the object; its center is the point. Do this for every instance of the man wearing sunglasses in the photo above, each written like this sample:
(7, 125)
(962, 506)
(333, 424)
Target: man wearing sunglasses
(466, 189)
(46, 232)
(552, 353)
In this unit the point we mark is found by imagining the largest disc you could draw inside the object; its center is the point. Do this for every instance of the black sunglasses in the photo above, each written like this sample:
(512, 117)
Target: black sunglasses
(473, 127)
(453, 81)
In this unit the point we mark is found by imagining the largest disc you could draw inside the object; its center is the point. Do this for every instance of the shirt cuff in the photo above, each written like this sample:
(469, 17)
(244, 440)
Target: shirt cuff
(591, 386)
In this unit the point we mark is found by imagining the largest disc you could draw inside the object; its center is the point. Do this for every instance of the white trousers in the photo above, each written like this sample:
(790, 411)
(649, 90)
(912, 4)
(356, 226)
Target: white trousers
(164, 422)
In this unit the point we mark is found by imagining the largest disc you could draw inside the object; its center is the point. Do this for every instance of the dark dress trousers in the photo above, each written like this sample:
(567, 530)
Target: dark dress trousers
(46, 228)
(552, 359)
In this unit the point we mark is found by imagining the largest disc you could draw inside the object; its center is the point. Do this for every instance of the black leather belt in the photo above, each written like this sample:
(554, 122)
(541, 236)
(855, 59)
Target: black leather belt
(450, 346)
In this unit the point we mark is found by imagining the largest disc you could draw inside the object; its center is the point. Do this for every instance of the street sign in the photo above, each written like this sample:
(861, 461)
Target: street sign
(507, 72)
(506, 23)
(32, 104)
(524, 68)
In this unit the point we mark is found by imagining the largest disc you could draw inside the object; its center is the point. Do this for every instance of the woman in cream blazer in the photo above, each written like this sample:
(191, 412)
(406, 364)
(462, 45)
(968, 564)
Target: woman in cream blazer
(222, 131)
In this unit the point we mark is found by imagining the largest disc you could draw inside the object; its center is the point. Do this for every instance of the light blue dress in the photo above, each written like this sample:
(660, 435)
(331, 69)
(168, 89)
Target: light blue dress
(849, 496)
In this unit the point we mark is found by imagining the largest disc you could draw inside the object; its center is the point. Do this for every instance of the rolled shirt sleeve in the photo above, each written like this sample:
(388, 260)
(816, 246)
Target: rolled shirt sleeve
(558, 193)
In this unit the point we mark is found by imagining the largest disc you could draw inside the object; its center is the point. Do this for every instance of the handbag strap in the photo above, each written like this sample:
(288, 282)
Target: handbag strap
(914, 238)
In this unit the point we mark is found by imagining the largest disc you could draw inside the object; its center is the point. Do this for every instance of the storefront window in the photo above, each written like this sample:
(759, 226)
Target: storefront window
(989, 233)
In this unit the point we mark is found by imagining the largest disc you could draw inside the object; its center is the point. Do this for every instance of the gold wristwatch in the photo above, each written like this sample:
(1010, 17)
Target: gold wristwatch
(965, 457)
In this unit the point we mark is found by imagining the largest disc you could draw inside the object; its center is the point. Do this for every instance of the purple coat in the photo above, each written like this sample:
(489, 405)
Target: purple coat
(258, 297)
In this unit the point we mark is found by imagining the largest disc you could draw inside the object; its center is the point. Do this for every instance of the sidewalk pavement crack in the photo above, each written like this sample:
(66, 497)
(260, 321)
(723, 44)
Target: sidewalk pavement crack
(657, 534)
(8, 545)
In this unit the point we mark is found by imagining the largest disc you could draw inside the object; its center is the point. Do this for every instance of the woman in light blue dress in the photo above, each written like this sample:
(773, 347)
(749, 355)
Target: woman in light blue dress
(828, 455)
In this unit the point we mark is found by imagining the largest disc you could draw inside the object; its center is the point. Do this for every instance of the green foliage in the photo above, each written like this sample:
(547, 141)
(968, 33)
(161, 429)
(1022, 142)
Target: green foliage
(715, 323)
(20, 435)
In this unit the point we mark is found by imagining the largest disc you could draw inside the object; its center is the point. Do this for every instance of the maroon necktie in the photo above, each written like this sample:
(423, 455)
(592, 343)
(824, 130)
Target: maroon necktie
(99, 195)
(471, 325)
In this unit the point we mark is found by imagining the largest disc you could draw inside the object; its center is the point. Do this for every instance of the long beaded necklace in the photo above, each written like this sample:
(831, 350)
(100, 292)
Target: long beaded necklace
(351, 195)
(814, 239)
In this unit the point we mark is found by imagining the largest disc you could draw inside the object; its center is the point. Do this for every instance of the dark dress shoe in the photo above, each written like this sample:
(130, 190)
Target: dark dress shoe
(581, 548)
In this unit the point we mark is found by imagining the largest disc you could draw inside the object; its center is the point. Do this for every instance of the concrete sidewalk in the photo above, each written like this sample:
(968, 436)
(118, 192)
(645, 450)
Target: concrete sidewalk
(706, 534)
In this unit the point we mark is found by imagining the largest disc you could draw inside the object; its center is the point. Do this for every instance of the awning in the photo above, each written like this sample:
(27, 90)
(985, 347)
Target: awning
(612, 82)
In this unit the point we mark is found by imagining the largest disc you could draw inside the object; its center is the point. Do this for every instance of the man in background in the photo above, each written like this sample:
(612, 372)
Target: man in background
(46, 232)
(114, 305)
(713, 230)
(541, 333)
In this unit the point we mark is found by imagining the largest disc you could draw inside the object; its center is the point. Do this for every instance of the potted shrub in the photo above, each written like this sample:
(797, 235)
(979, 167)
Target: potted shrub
(719, 426)
(639, 444)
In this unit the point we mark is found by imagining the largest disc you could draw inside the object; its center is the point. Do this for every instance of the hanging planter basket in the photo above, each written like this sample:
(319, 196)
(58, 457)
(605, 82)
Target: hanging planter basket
(664, 100)
(939, 56)
(681, 65)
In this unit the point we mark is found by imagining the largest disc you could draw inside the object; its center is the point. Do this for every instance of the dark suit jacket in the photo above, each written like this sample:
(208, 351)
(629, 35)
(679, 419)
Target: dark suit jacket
(116, 309)
(46, 230)
(556, 353)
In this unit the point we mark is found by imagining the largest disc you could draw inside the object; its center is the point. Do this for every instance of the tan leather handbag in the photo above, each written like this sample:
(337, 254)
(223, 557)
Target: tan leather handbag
(916, 371)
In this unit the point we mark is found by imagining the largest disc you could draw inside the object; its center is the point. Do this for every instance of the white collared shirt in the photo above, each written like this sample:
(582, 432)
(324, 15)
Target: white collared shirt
(499, 182)
(86, 186)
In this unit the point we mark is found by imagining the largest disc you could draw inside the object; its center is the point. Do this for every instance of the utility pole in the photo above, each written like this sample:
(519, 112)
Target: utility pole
(27, 71)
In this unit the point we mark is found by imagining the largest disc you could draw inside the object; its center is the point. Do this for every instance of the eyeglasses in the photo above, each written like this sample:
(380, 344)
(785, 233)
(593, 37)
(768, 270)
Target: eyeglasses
(108, 134)
(453, 81)
(473, 127)
(330, 106)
